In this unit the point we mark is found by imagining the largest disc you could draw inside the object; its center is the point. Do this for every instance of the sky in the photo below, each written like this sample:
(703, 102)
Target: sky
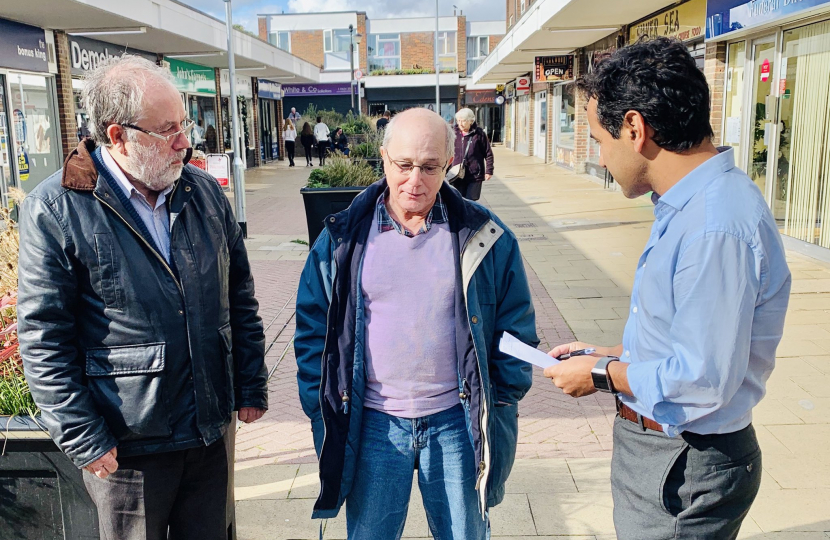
(245, 11)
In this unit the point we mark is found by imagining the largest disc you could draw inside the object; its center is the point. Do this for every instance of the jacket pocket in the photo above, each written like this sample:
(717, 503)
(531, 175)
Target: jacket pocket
(108, 278)
(503, 439)
(226, 342)
(127, 387)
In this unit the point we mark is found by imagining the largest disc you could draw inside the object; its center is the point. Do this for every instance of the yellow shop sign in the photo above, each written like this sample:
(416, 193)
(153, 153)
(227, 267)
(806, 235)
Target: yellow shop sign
(684, 22)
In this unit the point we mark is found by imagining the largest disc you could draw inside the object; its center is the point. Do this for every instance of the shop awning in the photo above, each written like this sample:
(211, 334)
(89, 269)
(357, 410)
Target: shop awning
(165, 27)
(554, 27)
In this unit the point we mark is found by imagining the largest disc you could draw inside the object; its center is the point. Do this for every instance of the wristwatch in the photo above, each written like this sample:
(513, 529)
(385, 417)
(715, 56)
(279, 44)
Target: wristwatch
(602, 381)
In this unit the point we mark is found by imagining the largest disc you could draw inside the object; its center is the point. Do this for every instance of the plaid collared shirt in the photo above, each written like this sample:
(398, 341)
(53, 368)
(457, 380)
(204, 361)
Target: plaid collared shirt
(437, 215)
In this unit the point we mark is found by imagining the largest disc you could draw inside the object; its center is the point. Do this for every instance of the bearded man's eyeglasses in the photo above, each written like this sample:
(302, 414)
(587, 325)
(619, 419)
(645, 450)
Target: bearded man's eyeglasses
(185, 128)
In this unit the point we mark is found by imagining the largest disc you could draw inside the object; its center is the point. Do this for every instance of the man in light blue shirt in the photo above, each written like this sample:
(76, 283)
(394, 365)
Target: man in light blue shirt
(707, 308)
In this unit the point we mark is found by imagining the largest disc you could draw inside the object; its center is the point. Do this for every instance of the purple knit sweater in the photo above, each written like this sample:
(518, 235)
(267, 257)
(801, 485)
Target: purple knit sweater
(408, 287)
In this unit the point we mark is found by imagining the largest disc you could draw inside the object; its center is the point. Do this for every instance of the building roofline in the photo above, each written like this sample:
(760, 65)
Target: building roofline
(314, 13)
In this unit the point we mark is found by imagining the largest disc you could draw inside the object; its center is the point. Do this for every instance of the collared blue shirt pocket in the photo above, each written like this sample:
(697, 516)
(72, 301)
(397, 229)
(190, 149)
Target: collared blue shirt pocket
(127, 387)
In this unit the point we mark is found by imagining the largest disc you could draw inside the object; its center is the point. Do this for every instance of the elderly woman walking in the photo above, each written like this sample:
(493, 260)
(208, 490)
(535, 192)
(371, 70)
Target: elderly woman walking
(473, 161)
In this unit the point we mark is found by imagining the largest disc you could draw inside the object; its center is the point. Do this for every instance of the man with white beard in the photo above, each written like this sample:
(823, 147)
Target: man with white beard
(138, 324)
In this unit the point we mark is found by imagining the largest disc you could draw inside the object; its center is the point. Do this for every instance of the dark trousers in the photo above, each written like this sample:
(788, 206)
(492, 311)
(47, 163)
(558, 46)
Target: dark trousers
(322, 148)
(185, 491)
(690, 486)
(308, 155)
(469, 188)
(289, 151)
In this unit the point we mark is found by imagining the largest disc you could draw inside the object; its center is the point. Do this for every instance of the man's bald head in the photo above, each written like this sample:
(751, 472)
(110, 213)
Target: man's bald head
(420, 122)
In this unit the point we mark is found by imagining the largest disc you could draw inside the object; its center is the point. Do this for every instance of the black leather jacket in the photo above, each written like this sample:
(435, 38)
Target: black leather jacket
(120, 348)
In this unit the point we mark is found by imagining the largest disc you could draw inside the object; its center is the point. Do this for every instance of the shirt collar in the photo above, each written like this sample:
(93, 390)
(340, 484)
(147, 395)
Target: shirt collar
(123, 182)
(682, 192)
(437, 215)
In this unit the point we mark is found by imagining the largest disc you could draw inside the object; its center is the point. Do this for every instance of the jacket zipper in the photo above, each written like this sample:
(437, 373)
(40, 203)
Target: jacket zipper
(146, 243)
(482, 465)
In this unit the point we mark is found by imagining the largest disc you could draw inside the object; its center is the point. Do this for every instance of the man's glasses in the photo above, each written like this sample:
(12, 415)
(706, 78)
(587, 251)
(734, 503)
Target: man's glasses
(406, 167)
(186, 127)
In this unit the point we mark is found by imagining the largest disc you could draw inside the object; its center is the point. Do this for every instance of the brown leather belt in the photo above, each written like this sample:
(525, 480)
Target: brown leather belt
(626, 413)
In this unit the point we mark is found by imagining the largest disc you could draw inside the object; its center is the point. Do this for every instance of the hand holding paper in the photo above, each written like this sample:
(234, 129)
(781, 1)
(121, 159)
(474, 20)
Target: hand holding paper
(515, 348)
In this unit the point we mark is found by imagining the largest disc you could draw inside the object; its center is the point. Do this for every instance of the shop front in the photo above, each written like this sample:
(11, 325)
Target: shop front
(488, 113)
(510, 115)
(197, 85)
(557, 70)
(326, 96)
(246, 112)
(402, 98)
(522, 131)
(564, 110)
(30, 141)
(685, 22)
(86, 54)
(777, 105)
(269, 94)
(593, 55)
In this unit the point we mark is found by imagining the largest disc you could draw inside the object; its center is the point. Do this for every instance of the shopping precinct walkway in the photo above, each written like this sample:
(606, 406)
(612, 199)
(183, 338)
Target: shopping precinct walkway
(581, 244)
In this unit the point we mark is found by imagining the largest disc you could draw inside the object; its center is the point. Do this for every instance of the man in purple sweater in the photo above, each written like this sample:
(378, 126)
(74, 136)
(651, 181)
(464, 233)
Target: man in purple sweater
(400, 307)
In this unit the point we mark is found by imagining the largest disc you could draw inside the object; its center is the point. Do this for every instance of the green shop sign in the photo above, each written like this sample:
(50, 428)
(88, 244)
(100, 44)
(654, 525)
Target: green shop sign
(192, 78)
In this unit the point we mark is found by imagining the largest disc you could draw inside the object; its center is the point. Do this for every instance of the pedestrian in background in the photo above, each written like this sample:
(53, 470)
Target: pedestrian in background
(321, 136)
(473, 160)
(294, 116)
(383, 121)
(290, 134)
(137, 347)
(307, 140)
(397, 352)
(340, 142)
(707, 306)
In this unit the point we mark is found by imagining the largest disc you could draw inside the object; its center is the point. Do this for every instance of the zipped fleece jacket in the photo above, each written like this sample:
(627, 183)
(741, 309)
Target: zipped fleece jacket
(119, 347)
(492, 296)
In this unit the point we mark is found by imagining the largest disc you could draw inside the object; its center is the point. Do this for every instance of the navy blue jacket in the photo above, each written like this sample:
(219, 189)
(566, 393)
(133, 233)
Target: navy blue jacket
(492, 296)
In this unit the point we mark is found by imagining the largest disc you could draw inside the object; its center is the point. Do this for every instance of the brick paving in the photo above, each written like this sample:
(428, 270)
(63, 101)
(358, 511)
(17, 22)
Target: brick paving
(551, 424)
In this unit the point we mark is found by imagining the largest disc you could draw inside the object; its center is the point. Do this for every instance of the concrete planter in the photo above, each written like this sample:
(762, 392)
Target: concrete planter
(322, 202)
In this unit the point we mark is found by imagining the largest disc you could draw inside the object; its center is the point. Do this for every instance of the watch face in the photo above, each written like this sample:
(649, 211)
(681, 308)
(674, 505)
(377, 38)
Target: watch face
(600, 380)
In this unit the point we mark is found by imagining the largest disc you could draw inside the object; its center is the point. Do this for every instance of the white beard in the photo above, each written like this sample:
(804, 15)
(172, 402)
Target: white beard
(146, 165)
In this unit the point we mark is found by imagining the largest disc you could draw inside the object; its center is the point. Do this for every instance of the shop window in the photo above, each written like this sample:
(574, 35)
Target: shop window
(384, 52)
(801, 192)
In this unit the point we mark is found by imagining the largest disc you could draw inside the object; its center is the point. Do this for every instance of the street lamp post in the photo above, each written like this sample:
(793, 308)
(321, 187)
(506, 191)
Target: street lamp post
(354, 39)
(437, 66)
(238, 166)
(351, 63)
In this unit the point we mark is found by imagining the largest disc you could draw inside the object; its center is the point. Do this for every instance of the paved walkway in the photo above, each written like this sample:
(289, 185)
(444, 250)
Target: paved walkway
(581, 245)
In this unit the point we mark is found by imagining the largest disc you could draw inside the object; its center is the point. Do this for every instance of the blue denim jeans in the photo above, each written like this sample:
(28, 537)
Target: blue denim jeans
(390, 449)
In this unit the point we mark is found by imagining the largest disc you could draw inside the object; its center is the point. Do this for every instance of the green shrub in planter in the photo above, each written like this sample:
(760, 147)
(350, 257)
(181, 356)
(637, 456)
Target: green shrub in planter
(341, 171)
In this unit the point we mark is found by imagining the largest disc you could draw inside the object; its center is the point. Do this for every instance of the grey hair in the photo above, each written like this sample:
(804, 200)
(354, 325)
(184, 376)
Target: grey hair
(450, 135)
(466, 115)
(114, 92)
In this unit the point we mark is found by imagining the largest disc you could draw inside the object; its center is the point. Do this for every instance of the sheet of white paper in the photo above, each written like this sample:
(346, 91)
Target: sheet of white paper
(515, 348)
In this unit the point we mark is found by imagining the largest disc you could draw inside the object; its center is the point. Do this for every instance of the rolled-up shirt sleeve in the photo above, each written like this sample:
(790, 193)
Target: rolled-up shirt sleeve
(715, 287)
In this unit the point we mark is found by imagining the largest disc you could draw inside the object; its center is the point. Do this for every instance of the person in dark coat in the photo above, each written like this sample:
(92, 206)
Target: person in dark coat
(307, 140)
(472, 148)
(340, 142)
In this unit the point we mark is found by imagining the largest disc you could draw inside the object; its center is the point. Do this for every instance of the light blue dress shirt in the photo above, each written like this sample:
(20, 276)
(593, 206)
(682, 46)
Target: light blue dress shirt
(708, 304)
(156, 218)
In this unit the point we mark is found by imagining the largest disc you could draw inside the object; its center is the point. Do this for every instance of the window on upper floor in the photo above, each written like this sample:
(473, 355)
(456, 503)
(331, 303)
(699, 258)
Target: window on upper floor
(509, 24)
(384, 52)
(336, 48)
(522, 5)
(478, 47)
(447, 50)
(281, 40)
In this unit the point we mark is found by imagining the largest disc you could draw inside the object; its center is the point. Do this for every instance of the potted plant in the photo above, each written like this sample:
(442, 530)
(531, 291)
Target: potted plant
(332, 188)
(42, 494)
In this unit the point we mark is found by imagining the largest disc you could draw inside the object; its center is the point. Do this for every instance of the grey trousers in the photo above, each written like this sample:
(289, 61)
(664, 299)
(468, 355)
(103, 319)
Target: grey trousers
(181, 493)
(687, 487)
